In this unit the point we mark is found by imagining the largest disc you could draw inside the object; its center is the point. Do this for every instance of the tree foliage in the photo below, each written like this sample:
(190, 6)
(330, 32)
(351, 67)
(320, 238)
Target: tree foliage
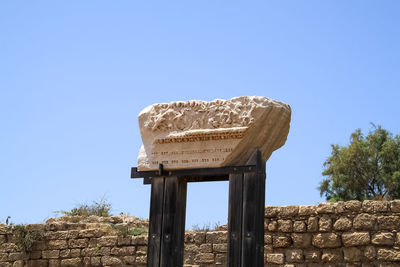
(368, 168)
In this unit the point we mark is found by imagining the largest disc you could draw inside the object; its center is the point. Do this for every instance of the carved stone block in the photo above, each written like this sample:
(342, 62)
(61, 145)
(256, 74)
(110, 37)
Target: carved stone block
(199, 134)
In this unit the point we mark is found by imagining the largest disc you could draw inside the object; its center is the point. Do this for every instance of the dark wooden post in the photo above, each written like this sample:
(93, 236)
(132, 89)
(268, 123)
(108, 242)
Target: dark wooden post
(246, 216)
(167, 222)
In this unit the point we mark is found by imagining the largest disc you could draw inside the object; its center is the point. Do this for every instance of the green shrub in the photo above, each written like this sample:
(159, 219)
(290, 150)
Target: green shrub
(98, 208)
(25, 237)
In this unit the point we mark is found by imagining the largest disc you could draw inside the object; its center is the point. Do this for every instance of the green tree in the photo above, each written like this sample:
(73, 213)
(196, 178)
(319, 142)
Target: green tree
(368, 168)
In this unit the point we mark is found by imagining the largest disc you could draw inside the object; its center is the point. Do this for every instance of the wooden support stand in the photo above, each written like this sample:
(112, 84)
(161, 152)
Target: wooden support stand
(245, 216)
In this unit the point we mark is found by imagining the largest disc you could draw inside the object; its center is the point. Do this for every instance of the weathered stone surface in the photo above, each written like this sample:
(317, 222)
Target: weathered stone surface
(364, 221)
(301, 240)
(312, 224)
(342, 224)
(294, 255)
(299, 226)
(325, 224)
(352, 254)
(395, 206)
(198, 134)
(388, 254)
(356, 239)
(389, 222)
(277, 258)
(331, 255)
(383, 239)
(326, 240)
(280, 241)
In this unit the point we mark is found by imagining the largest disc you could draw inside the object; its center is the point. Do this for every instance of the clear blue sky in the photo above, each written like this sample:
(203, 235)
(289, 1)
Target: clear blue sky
(75, 74)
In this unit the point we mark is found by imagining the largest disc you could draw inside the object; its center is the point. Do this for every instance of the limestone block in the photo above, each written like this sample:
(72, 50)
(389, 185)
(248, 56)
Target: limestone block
(342, 224)
(326, 240)
(356, 239)
(383, 239)
(199, 134)
(277, 258)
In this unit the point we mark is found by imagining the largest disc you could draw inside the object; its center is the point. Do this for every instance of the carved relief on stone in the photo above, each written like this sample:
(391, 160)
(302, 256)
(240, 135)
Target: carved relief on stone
(199, 134)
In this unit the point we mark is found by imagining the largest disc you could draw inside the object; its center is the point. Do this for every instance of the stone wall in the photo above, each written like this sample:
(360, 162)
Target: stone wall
(342, 234)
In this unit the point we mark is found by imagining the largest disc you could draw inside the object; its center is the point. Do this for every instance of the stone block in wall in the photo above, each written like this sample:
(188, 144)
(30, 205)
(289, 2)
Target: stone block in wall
(191, 248)
(285, 226)
(129, 260)
(75, 252)
(220, 248)
(220, 259)
(50, 254)
(73, 262)
(352, 254)
(395, 206)
(388, 223)
(9, 247)
(271, 211)
(217, 237)
(66, 253)
(15, 256)
(288, 211)
(90, 233)
(301, 240)
(273, 226)
(206, 248)
(124, 241)
(299, 227)
(123, 251)
(312, 224)
(141, 250)
(276, 258)
(294, 255)
(326, 208)
(281, 241)
(268, 239)
(372, 206)
(356, 239)
(35, 255)
(342, 224)
(332, 255)
(3, 256)
(107, 241)
(139, 240)
(325, 224)
(19, 263)
(353, 206)
(326, 240)
(54, 263)
(78, 243)
(141, 260)
(111, 261)
(56, 235)
(37, 263)
(388, 254)
(369, 253)
(57, 244)
(204, 258)
(2, 239)
(307, 210)
(312, 255)
(383, 239)
(364, 221)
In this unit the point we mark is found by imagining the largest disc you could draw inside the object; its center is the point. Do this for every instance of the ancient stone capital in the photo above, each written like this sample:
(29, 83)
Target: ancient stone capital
(199, 134)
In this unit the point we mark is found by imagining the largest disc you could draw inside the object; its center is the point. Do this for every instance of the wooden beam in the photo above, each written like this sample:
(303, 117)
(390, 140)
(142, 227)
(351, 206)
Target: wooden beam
(173, 222)
(235, 220)
(253, 214)
(155, 226)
